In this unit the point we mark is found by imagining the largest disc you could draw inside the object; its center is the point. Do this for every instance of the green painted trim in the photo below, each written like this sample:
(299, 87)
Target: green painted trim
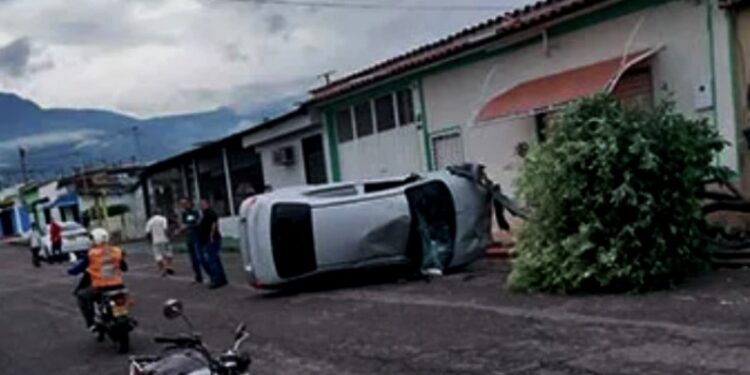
(333, 146)
(446, 130)
(734, 77)
(425, 128)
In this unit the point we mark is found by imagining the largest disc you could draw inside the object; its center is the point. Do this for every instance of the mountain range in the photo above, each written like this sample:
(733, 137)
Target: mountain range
(59, 139)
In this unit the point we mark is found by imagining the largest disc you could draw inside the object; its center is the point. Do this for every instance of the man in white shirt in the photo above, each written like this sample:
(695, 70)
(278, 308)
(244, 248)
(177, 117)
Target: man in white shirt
(156, 229)
(35, 243)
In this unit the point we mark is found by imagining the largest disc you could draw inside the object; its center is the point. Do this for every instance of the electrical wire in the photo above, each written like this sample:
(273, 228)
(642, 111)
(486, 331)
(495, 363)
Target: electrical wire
(376, 6)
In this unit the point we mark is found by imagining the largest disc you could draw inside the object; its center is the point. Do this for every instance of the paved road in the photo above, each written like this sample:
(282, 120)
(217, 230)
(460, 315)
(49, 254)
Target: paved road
(461, 324)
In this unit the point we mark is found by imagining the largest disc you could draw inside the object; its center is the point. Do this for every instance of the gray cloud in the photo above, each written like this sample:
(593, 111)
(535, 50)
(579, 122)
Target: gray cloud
(15, 57)
(171, 56)
(276, 23)
(233, 52)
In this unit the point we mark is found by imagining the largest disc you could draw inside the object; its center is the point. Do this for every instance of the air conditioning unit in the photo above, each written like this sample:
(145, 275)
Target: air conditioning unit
(284, 156)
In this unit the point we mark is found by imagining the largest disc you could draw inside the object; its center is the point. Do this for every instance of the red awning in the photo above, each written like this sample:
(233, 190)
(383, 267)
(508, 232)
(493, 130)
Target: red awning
(549, 91)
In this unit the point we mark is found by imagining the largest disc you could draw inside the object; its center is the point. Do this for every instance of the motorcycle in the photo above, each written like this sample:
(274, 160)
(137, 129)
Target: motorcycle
(188, 355)
(112, 318)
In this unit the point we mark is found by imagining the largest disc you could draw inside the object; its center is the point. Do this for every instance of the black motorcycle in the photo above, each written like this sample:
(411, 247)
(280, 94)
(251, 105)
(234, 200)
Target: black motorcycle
(187, 354)
(112, 318)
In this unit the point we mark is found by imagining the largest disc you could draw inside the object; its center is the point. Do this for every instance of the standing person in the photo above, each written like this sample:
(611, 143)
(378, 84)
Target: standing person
(156, 229)
(210, 240)
(35, 243)
(55, 238)
(189, 226)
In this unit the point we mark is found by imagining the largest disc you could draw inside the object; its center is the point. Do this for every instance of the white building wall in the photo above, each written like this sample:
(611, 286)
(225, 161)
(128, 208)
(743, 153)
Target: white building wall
(390, 153)
(282, 175)
(454, 96)
(279, 176)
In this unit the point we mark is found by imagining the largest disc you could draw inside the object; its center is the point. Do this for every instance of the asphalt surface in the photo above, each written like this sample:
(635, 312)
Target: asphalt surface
(460, 324)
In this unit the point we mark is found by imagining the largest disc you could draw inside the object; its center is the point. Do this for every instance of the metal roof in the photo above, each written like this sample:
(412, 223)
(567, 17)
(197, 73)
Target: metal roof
(504, 25)
(151, 168)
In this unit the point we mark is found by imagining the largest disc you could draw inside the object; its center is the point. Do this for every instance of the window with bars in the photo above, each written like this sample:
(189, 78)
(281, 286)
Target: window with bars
(378, 115)
(384, 112)
(344, 129)
(405, 103)
(363, 119)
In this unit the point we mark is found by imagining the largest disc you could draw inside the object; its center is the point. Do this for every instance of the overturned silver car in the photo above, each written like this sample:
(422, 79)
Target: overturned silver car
(437, 220)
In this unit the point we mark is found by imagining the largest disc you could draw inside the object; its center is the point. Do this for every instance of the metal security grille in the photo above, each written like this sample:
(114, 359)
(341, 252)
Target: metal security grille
(447, 150)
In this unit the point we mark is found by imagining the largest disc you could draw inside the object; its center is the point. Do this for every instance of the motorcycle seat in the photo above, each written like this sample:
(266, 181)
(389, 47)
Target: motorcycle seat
(118, 291)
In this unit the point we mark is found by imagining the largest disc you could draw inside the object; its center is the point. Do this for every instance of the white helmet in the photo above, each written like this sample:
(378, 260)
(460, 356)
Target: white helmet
(100, 236)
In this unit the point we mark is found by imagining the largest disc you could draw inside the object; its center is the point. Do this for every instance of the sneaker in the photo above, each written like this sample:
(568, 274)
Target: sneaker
(170, 272)
(217, 286)
(432, 272)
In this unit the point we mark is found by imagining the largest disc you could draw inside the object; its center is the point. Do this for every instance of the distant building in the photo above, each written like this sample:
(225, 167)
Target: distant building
(111, 197)
(14, 218)
(284, 151)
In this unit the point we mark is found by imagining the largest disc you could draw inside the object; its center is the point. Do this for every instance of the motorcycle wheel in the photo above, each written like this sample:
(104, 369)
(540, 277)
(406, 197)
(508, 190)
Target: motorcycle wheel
(123, 344)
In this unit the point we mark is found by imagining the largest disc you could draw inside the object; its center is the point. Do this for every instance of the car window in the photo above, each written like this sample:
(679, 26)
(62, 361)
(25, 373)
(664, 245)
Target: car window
(375, 186)
(339, 191)
(70, 227)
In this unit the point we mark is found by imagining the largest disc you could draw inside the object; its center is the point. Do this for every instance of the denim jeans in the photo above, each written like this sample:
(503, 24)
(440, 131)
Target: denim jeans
(197, 260)
(213, 262)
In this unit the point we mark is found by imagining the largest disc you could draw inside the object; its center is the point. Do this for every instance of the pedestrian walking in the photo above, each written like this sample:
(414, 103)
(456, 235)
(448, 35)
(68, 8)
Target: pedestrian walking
(156, 229)
(210, 241)
(190, 219)
(55, 238)
(35, 244)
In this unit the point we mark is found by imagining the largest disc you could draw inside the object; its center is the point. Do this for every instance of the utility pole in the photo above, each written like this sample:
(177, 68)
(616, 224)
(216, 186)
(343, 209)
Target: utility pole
(137, 142)
(24, 171)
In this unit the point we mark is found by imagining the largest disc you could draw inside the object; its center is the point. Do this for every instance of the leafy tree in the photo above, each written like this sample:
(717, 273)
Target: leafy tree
(614, 197)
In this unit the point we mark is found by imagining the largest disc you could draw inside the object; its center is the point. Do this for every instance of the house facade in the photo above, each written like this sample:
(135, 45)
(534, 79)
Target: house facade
(481, 94)
(738, 18)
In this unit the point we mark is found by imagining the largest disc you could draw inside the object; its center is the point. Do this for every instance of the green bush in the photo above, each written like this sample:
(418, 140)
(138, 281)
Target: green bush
(613, 191)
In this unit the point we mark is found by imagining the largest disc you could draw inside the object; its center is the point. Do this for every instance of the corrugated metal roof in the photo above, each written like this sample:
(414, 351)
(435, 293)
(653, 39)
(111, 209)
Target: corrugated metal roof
(160, 164)
(482, 33)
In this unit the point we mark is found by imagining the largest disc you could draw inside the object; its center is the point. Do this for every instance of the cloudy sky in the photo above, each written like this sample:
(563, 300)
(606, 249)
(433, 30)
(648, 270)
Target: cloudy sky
(154, 57)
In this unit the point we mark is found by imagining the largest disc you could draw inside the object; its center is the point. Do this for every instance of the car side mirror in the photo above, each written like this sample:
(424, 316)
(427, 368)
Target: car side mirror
(172, 309)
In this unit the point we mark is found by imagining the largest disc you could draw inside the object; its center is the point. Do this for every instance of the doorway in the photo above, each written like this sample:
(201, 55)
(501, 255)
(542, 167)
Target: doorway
(314, 160)
(6, 222)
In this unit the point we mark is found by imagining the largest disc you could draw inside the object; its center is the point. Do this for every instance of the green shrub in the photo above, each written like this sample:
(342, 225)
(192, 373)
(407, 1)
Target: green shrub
(613, 191)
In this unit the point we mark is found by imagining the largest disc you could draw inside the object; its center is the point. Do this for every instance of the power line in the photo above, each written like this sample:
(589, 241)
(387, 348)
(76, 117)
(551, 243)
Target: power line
(376, 6)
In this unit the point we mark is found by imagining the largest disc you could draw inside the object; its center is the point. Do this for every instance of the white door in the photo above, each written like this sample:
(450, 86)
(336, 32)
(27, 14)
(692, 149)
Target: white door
(447, 149)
